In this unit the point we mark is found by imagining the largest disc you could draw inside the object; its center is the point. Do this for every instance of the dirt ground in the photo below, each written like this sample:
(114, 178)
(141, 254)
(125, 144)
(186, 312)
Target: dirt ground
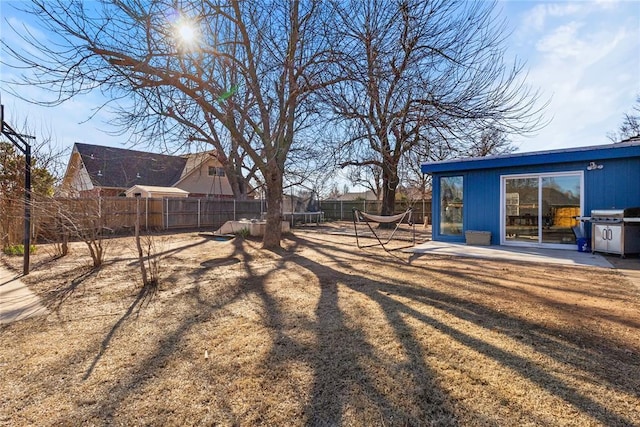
(320, 333)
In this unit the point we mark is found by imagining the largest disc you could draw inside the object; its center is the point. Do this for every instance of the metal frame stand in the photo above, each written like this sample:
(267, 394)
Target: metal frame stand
(359, 216)
(21, 144)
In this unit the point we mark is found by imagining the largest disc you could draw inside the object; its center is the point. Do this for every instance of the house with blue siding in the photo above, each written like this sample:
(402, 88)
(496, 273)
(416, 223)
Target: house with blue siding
(532, 199)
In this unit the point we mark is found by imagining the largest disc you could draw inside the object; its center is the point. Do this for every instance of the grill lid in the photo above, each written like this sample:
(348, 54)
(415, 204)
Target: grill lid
(616, 213)
(607, 213)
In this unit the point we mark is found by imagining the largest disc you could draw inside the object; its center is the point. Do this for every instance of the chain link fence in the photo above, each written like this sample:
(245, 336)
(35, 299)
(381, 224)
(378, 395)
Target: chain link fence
(342, 210)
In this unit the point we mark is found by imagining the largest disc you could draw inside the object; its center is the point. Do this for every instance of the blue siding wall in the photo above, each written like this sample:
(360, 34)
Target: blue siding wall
(483, 200)
(616, 185)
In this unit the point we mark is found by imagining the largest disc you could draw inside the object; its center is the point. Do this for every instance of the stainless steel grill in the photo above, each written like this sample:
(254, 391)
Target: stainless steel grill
(607, 215)
(615, 231)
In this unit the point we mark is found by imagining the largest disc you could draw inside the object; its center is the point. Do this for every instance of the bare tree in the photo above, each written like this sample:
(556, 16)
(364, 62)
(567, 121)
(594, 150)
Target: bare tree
(75, 219)
(239, 79)
(488, 143)
(419, 69)
(45, 169)
(83, 219)
(630, 127)
(368, 176)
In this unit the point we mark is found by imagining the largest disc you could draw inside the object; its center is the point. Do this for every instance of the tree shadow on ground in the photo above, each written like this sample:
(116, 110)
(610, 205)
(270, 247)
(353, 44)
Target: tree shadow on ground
(143, 298)
(54, 299)
(386, 296)
(145, 370)
(338, 370)
(342, 382)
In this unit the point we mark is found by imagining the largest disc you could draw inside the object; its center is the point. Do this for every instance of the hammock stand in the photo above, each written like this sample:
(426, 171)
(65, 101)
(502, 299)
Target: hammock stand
(362, 217)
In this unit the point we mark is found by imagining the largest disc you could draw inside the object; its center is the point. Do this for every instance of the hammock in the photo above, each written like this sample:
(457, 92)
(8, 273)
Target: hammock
(362, 217)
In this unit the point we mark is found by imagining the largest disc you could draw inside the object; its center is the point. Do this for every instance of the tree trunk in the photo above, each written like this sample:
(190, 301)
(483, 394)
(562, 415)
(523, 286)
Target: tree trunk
(143, 270)
(389, 186)
(388, 201)
(273, 230)
(238, 188)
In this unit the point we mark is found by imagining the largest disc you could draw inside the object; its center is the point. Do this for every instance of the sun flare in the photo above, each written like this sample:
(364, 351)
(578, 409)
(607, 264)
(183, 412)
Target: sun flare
(187, 32)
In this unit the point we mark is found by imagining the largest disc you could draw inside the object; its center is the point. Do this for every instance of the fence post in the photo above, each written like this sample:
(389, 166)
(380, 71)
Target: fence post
(167, 214)
(199, 213)
(234, 210)
(341, 215)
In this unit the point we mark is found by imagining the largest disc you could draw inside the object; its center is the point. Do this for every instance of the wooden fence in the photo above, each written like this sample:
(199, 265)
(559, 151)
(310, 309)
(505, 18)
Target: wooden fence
(118, 214)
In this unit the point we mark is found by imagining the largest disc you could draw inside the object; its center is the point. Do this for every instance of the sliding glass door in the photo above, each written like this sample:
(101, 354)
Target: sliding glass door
(540, 209)
(561, 203)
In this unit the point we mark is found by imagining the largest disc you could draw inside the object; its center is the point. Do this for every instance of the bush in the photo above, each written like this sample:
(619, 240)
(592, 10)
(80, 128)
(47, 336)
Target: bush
(243, 232)
(18, 250)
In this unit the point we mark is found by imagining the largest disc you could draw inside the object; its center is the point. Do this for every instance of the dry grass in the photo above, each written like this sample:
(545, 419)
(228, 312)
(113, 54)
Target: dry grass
(321, 333)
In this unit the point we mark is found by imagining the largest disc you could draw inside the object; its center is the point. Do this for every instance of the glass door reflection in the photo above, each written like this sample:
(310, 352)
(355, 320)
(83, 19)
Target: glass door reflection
(560, 205)
(521, 210)
(451, 205)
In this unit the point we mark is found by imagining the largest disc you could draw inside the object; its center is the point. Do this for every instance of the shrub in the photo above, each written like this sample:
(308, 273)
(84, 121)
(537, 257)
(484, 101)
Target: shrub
(18, 250)
(243, 232)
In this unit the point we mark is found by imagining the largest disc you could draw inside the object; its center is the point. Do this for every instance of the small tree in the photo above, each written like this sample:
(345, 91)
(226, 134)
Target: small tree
(83, 219)
(147, 254)
(12, 190)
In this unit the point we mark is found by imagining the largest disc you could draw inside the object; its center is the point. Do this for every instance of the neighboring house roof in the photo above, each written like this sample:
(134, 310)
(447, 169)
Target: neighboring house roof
(413, 193)
(152, 189)
(627, 148)
(195, 160)
(123, 168)
(362, 195)
(198, 179)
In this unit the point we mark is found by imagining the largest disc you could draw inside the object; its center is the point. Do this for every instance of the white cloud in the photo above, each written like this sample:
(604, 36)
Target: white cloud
(537, 17)
(563, 42)
(607, 3)
(565, 9)
(584, 56)
(569, 47)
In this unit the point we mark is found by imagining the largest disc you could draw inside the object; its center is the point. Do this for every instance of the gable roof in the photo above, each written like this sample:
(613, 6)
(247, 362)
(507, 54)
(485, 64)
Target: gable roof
(123, 168)
(358, 195)
(156, 189)
(627, 148)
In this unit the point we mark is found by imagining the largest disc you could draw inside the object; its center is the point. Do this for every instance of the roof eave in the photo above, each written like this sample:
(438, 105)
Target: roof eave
(601, 152)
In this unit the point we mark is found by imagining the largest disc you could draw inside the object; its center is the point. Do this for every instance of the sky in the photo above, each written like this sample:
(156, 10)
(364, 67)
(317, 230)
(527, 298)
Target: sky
(583, 57)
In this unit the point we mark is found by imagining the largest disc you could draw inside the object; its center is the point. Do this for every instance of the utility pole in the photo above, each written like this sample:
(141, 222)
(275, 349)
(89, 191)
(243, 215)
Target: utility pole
(20, 142)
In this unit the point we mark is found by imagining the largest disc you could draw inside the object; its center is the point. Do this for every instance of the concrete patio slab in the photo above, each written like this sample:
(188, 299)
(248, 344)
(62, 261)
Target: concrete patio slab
(510, 253)
(17, 302)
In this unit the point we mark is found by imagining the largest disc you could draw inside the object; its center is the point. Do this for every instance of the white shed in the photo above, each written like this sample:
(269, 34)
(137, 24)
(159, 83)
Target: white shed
(150, 191)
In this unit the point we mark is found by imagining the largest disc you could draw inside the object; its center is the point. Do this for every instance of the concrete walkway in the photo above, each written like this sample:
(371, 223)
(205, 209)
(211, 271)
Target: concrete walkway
(17, 302)
(628, 267)
(511, 253)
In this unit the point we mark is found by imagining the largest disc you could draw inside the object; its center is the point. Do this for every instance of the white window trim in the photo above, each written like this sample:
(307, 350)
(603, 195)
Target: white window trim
(503, 179)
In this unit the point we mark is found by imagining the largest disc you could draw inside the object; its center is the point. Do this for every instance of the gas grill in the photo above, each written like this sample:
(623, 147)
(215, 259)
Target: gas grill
(615, 231)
